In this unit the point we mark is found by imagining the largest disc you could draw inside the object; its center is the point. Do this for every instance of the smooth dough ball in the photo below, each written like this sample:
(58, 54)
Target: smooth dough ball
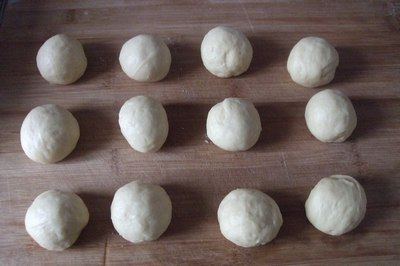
(61, 60)
(145, 58)
(330, 116)
(56, 218)
(141, 212)
(312, 62)
(234, 124)
(249, 217)
(49, 133)
(144, 123)
(336, 205)
(226, 52)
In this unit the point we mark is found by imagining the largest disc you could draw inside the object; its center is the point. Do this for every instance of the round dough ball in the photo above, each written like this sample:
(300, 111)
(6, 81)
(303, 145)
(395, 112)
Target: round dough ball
(336, 205)
(330, 116)
(61, 60)
(144, 123)
(234, 124)
(56, 218)
(141, 212)
(249, 217)
(49, 133)
(312, 62)
(145, 58)
(226, 52)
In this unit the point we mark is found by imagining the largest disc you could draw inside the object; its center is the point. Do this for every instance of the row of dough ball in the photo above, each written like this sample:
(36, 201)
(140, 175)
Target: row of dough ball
(247, 217)
(49, 132)
(225, 52)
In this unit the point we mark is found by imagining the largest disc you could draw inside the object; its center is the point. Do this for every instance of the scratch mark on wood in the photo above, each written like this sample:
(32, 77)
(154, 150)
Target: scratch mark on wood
(114, 162)
(8, 194)
(105, 252)
(393, 10)
(247, 16)
(285, 165)
(357, 162)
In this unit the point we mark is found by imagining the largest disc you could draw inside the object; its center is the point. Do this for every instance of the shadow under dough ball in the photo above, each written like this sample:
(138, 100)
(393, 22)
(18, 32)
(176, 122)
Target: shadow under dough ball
(226, 52)
(49, 133)
(56, 218)
(141, 212)
(312, 62)
(61, 60)
(249, 217)
(336, 205)
(145, 58)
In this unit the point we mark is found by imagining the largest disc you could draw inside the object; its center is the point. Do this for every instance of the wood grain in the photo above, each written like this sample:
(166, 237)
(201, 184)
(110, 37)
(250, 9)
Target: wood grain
(285, 163)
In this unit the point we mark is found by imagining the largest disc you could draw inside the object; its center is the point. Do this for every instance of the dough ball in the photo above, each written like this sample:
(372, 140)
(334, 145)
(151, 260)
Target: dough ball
(330, 116)
(234, 124)
(226, 52)
(312, 62)
(144, 123)
(145, 58)
(61, 60)
(249, 217)
(49, 133)
(141, 212)
(56, 218)
(336, 205)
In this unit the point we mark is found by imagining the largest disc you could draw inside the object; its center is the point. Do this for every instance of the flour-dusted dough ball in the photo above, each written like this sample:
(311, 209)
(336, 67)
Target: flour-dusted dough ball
(144, 123)
(49, 133)
(312, 62)
(141, 212)
(61, 60)
(56, 218)
(336, 205)
(226, 52)
(145, 58)
(234, 124)
(249, 217)
(330, 116)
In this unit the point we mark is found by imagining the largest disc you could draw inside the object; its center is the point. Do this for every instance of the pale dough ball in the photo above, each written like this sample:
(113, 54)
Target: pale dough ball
(141, 212)
(145, 58)
(249, 217)
(226, 52)
(312, 62)
(144, 123)
(330, 116)
(234, 124)
(336, 205)
(49, 133)
(61, 60)
(56, 218)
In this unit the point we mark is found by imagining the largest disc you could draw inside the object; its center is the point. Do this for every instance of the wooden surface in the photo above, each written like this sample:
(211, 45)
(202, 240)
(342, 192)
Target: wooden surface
(286, 162)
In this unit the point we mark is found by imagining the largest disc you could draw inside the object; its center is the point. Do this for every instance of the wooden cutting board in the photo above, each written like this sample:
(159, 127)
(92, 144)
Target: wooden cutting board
(286, 162)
